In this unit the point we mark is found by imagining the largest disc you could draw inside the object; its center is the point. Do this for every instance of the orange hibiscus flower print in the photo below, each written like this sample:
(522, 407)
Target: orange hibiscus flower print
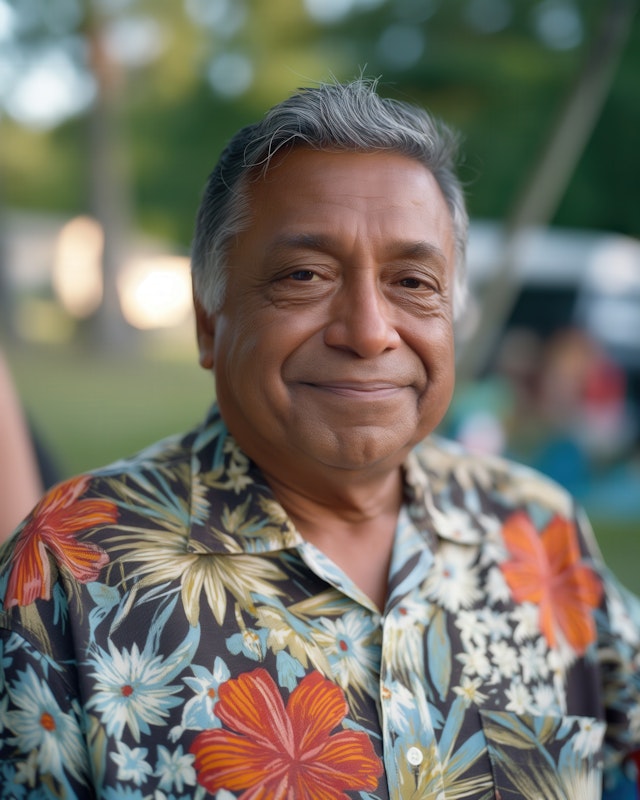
(546, 569)
(52, 527)
(284, 752)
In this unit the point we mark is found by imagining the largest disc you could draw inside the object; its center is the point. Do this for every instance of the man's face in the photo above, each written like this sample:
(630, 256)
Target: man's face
(334, 346)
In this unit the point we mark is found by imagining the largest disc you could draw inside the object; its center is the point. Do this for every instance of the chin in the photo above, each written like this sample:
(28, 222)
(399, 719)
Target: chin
(358, 450)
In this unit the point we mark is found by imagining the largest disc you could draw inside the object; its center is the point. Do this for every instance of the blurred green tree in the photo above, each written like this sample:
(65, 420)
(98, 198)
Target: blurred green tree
(191, 72)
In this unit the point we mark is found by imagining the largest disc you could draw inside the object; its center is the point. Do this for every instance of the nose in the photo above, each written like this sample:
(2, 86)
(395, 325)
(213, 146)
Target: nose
(361, 320)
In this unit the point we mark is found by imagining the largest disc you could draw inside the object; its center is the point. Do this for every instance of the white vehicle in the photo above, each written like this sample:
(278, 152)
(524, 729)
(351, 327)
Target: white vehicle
(590, 279)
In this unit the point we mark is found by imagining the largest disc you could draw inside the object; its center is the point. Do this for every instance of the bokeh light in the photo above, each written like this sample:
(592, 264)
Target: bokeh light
(155, 291)
(77, 269)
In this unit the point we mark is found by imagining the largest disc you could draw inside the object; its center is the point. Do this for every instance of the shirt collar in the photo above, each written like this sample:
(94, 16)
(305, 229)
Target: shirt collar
(438, 500)
(233, 510)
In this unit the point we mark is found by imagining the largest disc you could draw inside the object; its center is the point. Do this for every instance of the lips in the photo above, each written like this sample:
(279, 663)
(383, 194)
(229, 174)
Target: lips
(356, 389)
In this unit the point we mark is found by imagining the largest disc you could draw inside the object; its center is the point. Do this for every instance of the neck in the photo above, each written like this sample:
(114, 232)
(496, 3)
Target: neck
(347, 523)
(347, 500)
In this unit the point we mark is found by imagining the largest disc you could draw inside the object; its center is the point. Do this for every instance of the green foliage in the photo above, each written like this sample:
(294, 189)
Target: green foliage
(605, 191)
(169, 186)
(501, 89)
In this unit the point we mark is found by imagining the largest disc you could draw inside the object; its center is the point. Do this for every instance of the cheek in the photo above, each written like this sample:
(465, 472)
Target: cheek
(249, 353)
(436, 350)
(434, 344)
(233, 348)
(444, 369)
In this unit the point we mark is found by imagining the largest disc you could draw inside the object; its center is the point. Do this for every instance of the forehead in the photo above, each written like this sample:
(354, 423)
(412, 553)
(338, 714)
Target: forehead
(322, 168)
(380, 191)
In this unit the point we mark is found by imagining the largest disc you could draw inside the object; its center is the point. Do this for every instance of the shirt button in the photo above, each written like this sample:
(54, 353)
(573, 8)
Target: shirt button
(414, 756)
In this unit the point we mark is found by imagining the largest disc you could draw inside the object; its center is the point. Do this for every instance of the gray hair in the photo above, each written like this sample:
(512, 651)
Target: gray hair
(332, 116)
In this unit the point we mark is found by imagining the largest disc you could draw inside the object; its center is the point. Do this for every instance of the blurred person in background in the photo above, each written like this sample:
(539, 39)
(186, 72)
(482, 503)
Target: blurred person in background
(20, 481)
(580, 410)
(310, 596)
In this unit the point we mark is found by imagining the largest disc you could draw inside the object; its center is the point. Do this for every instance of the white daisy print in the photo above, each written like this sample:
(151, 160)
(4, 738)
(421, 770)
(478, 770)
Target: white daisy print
(38, 725)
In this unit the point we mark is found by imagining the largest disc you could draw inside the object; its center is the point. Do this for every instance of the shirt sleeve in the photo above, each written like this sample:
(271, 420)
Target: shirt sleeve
(42, 741)
(618, 624)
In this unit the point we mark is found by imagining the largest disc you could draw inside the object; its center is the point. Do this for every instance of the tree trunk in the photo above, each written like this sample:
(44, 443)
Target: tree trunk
(109, 192)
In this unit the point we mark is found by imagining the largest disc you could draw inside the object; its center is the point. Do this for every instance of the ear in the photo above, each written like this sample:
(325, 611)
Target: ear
(205, 332)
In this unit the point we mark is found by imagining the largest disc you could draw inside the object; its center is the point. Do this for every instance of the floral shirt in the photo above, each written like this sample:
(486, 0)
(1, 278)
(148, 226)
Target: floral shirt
(166, 633)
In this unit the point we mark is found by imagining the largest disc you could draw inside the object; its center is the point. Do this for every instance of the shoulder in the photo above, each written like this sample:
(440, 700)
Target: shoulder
(166, 454)
(448, 466)
(70, 532)
(86, 498)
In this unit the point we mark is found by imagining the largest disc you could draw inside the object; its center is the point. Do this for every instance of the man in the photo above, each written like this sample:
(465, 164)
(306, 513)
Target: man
(299, 599)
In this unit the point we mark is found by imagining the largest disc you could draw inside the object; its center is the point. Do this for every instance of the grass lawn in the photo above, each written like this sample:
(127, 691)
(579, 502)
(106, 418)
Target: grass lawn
(620, 545)
(91, 409)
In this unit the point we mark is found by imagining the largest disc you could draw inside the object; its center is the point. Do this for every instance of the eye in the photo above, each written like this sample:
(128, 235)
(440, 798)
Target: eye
(411, 283)
(424, 283)
(302, 275)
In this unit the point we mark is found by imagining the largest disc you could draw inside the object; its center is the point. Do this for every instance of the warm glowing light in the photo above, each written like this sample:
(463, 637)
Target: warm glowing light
(77, 269)
(155, 292)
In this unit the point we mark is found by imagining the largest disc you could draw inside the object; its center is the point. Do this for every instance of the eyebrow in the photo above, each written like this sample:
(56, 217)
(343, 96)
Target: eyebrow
(302, 241)
(424, 251)
(319, 242)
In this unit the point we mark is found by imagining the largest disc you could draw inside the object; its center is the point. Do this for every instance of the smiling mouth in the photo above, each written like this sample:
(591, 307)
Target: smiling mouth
(365, 391)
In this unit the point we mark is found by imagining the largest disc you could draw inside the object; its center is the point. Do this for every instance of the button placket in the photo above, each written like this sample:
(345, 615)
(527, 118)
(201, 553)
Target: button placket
(418, 737)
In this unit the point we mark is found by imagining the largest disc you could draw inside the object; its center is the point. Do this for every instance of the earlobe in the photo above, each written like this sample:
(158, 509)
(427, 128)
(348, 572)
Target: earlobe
(205, 331)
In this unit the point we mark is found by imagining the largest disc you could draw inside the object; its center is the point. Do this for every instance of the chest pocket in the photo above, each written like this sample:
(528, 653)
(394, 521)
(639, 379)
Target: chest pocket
(545, 758)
